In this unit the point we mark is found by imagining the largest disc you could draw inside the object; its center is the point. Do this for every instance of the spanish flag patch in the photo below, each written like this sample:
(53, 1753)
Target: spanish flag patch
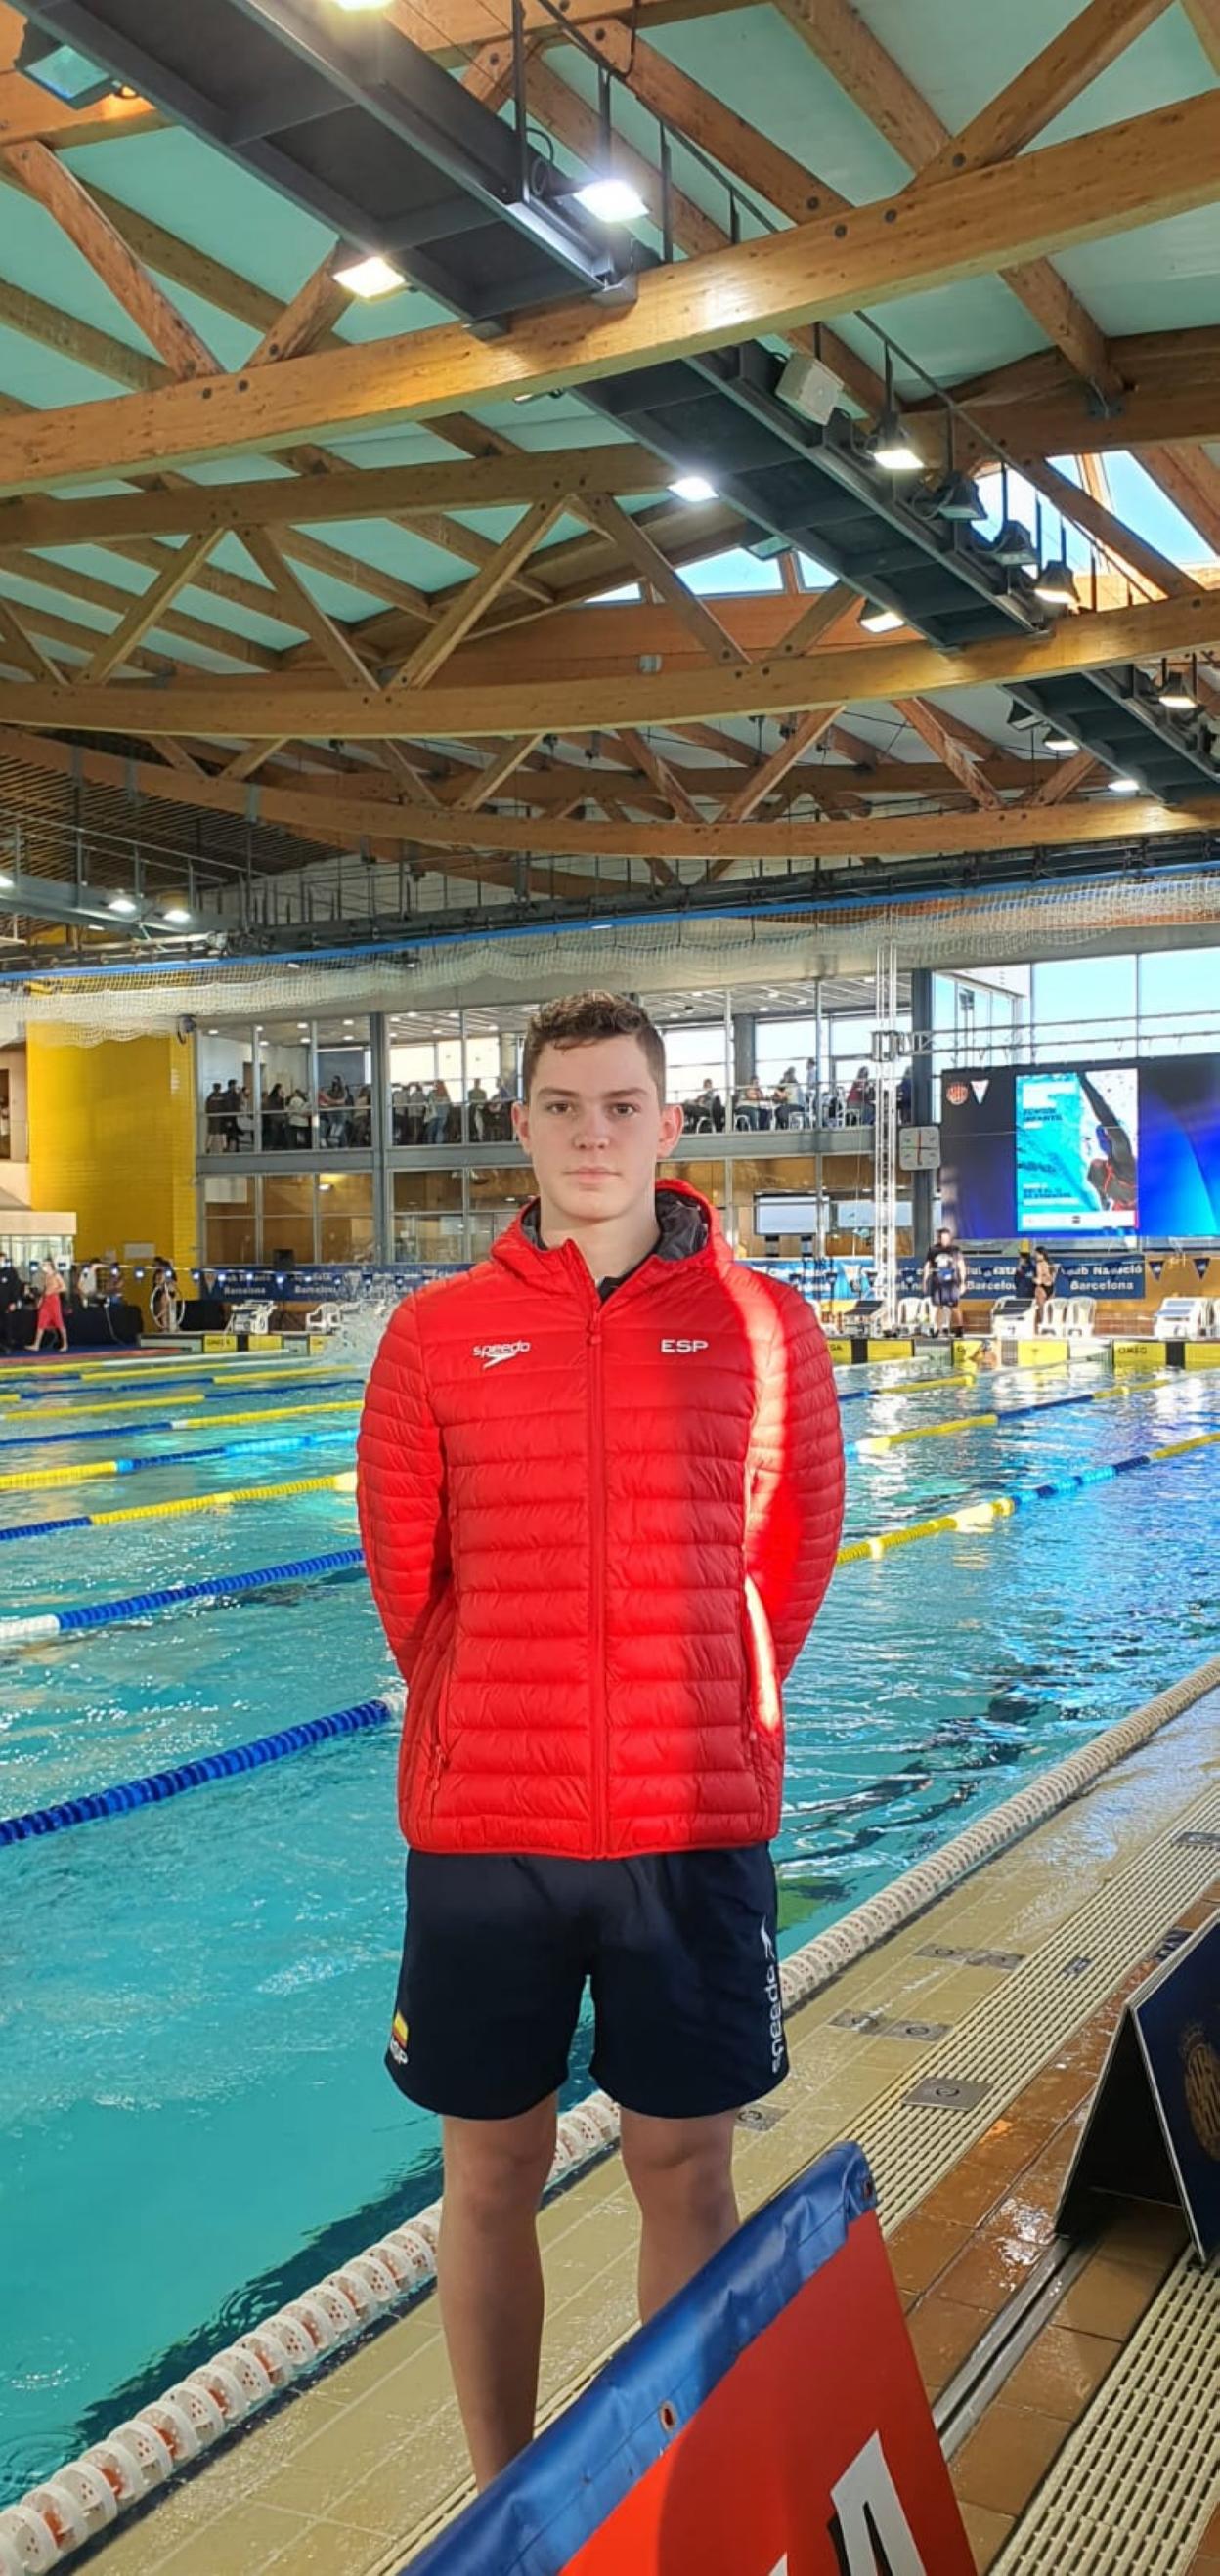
(398, 2040)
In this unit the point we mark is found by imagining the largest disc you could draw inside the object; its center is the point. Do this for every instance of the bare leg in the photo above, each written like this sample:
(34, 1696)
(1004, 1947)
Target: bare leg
(681, 2172)
(489, 2275)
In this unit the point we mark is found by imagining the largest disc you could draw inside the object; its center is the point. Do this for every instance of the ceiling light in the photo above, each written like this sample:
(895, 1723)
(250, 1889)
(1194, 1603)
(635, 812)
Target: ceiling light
(1123, 786)
(123, 903)
(694, 487)
(611, 200)
(369, 277)
(1176, 694)
(176, 915)
(293, 965)
(72, 77)
(354, 6)
(1015, 546)
(958, 498)
(881, 621)
(891, 449)
(1056, 584)
(6, 883)
(1061, 742)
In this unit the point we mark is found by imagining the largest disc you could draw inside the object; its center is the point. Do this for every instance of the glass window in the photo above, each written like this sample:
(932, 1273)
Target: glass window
(696, 1059)
(285, 1078)
(1179, 995)
(224, 1075)
(428, 1221)
(229, 1221)
(345, 1099)
(1084, 1007)
(288, 1206)
(345, 1216)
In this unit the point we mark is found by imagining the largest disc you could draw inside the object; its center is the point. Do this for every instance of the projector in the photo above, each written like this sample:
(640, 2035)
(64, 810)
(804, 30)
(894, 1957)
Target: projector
(810, 388)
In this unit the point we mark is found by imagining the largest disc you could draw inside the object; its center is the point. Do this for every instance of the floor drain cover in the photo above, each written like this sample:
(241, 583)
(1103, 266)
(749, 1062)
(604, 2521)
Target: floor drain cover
(1196, 1839)
(758, 2115)
(973, 1958)
(946, 2093)
(879, 2025)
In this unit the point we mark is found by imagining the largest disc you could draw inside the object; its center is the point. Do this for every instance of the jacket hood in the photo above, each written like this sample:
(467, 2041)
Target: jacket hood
(688, 1225)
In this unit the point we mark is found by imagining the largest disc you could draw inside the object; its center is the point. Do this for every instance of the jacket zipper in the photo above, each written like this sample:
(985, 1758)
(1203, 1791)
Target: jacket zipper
(598, 1724)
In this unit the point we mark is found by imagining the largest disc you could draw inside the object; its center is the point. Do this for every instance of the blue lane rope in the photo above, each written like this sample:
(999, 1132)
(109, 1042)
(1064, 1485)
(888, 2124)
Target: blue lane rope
(182, 1391)
(155, 1787)
(279, 1441)
(44, 1624)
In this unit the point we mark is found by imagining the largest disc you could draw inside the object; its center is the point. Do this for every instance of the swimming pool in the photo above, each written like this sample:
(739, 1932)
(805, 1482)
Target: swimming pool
(194, 2123)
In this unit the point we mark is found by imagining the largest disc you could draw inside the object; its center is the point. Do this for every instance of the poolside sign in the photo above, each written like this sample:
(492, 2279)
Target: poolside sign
(771, 2421)
(1154, 2129)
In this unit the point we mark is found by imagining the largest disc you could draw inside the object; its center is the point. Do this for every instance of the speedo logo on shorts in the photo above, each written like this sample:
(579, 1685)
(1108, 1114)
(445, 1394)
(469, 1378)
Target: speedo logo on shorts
(491, 1353)
(775, 2013)
(398, 2040)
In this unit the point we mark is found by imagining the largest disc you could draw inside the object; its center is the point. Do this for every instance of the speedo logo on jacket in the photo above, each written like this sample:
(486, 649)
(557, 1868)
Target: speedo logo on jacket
(491, 1353)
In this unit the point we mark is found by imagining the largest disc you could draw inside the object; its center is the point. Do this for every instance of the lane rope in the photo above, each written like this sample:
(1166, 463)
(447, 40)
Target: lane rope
(206, 1421)
(979, 1516)
(153, 1788)
(878, 1441)
(43, 1624)
(344, 1483)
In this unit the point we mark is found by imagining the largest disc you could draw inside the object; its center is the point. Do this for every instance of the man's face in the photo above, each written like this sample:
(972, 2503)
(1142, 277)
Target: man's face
(594, 1129)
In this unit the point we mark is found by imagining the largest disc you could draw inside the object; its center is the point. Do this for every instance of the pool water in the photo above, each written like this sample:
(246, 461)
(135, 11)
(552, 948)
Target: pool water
(194, 2120)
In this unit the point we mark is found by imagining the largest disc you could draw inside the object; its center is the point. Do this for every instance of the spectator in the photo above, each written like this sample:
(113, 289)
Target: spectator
(788, 1103)
(904, 1101)
(706, 1111)
(332, 1107)
(752, 1111)
(476, 1109)
(859, 1099)
(86, 1283)
(813, 1091)
(298, 1119)
(439, 1105)
(275, 1119)
(232, 1118)
(214, 1113)
(1045, 1275)
(1025, 1277)
(362, 1116)
(50, 1316)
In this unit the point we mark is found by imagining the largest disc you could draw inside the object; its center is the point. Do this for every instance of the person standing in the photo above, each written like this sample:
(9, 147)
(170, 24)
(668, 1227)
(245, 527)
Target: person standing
(1045, 1275)
(601, 1490)
(944, 1281)
(50, 1316)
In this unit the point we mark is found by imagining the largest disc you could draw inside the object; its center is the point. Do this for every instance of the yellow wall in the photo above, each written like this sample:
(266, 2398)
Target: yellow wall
(112, 1134)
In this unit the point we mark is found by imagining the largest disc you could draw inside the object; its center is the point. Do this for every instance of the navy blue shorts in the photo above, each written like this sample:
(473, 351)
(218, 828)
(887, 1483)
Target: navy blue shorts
(678, 1949)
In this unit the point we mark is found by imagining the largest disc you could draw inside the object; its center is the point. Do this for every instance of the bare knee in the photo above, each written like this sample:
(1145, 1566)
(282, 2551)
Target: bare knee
(679, 2166)
(497, 2169)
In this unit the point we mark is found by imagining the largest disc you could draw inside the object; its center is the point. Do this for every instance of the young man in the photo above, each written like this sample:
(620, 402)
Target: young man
(601, 1488)
(944, 1281)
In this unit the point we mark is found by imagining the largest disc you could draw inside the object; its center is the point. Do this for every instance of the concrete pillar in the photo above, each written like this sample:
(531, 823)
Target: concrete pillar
(923, 1114)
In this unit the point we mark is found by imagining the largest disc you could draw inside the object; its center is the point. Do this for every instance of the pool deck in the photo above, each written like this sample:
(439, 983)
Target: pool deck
(1012, 1981)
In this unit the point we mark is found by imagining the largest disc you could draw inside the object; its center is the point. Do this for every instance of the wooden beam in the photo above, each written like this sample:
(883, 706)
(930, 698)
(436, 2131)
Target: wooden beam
(244, 763)
(1192, 482)
(664, 778)
(872, 78)
(1072, 774)
(262, 709)
(301, 609)
(19, 646)
(400, 491)
(29, 114)
(1013, 827)
(476, 595)
(1099, 185)
(1031, 101)
(50, 327)
(1121, 543)
(647, 560)
(1204, 16)
(767, 777)
(488, 782)
(311, 315)
(939, 738)
(146, 611)
(822, 614)
(76, 213)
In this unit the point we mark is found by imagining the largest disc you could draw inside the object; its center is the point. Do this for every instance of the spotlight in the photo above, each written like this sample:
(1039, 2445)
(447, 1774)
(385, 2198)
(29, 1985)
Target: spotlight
(124, 904)
(176, 916)
(891, 449)
(1056, 584)
(6, 884)
(1123, 786)
(67, 75)
(1061, 742)
(611, 200)
(881, 621)
(1176, 694)
(1015, 547)
(367, 278)
(693, 487)
(957, 498)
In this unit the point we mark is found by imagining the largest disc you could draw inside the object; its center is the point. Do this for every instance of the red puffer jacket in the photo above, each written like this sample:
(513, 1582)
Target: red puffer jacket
(597, 1534)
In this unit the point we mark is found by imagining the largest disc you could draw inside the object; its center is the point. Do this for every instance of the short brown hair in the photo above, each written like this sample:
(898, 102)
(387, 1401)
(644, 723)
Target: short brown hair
(580, 1019)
